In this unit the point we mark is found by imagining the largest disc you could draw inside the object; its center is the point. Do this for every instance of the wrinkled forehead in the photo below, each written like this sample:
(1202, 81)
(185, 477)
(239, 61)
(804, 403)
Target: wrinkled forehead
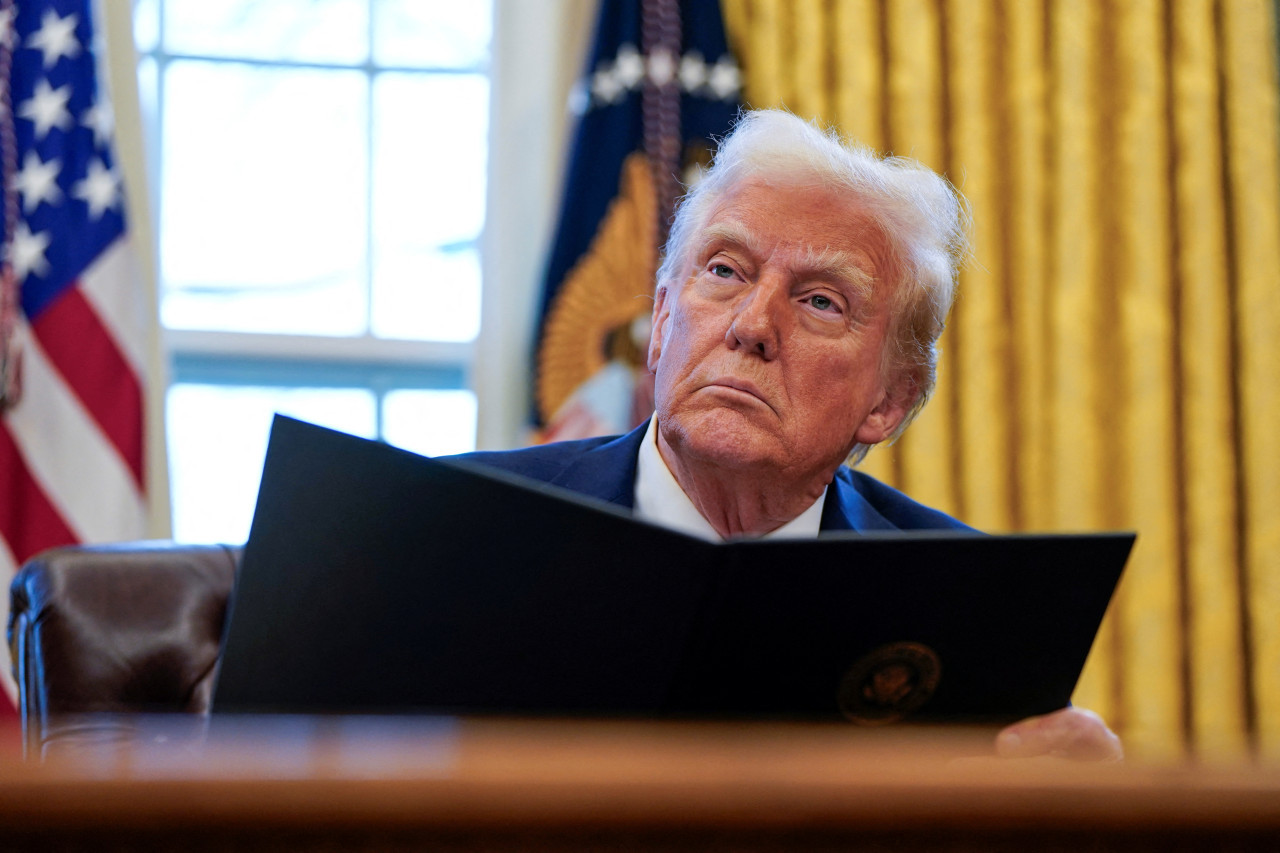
(814, 223)
(806, 259)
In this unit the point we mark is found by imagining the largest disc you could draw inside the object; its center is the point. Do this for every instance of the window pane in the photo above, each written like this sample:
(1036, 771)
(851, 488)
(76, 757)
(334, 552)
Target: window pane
(149, 99)
(427, 294)
(432, 33)
(304, 30)
(434, 423)
(146, 24)
(430, 152)
(264, 199)
(218, 440)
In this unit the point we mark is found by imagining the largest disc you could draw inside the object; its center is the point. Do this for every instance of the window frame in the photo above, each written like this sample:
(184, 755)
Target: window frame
(279, 360)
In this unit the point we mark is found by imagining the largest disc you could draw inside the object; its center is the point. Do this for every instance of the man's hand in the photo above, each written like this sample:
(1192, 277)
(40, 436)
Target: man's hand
(1070, 733)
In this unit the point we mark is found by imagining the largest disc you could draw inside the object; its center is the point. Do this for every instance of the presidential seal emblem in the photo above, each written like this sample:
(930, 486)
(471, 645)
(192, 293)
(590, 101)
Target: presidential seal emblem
(889, 684)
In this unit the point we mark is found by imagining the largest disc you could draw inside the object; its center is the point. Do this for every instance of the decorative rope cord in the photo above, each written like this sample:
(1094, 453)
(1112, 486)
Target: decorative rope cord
(662, 47)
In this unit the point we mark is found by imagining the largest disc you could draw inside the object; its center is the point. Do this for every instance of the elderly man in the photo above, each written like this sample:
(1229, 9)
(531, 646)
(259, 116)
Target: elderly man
(797, 309)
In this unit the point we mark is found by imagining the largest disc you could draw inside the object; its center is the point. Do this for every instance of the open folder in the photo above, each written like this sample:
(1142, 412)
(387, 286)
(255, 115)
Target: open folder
(376, 580)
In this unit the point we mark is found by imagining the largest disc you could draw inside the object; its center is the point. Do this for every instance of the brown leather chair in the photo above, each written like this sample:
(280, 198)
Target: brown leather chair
(112, 631)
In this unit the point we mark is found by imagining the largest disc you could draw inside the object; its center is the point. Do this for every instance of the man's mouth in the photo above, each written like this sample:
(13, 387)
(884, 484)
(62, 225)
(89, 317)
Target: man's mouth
(742, 386)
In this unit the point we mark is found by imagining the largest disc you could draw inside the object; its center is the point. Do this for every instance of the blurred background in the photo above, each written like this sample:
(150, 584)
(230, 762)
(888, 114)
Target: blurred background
(344, 210)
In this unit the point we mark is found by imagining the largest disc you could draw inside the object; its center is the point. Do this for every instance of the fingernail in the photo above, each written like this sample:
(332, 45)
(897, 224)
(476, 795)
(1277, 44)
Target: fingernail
(1008, 743)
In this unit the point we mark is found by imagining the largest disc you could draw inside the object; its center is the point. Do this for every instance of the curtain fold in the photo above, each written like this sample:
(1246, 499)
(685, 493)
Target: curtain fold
(1246, 42)
(1209, 502)
(1112, 360)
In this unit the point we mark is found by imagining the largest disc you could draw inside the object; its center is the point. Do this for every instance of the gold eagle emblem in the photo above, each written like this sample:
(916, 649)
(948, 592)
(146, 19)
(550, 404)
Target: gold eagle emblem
(589, 323)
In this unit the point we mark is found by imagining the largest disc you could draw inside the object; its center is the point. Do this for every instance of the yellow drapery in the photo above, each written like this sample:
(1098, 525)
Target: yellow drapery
(1112, 361)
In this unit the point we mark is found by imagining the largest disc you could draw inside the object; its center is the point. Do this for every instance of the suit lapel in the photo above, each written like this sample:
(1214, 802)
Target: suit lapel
(607, 472)
(847, 509)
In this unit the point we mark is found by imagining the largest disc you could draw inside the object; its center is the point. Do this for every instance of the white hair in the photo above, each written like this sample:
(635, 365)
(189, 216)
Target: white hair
(923, 219)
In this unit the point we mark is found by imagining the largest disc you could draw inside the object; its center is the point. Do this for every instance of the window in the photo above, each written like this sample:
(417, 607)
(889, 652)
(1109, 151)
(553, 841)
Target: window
(319, 183)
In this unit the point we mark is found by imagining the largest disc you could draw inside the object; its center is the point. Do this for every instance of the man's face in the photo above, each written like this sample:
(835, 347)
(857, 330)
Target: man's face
(769, 352)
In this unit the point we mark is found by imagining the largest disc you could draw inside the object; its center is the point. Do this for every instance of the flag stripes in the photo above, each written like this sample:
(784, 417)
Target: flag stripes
(74, 462)
(81, 349)
(111, 285)
(29, 523)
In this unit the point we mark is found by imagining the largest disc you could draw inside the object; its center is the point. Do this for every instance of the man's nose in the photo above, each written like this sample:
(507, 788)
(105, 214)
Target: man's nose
(756, 319)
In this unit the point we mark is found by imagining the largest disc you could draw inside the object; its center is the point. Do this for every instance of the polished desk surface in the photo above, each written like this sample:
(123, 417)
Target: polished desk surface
(419, 783)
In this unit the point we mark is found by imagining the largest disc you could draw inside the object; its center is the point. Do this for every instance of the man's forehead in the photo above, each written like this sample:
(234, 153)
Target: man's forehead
(823, 231)
(807, 211)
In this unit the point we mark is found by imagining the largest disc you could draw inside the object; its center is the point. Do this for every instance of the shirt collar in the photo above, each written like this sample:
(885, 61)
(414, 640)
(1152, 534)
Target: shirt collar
(660, 500)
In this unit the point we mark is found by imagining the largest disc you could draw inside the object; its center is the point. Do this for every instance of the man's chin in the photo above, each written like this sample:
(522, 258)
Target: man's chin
(726, 437)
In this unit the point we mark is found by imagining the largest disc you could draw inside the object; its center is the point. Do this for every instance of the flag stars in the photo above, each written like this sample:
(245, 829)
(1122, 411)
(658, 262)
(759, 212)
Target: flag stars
(38, 181)
(100, 189)
(612, 81)
(26, 254)
(693, 71)
(47, 108)
(605, 86)
(629, 66)
(724, 80)
(101, 120)
(662, 67)
(56, 38)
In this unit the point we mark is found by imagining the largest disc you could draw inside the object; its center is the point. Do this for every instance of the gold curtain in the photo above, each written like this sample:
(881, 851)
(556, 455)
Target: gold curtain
(1112, 359)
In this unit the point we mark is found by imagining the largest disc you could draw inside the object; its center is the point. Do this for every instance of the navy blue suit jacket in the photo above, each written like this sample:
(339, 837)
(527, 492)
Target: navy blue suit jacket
(605, 468)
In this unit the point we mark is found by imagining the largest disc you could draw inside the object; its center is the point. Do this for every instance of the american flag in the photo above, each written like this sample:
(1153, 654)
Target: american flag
(73, 343)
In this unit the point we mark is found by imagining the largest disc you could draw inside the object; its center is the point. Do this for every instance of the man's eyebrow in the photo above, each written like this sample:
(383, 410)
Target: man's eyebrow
(842, 266)
(732, 233)
(825, 263)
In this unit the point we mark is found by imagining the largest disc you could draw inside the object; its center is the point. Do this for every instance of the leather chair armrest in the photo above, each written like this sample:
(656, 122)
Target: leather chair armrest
(124, 628)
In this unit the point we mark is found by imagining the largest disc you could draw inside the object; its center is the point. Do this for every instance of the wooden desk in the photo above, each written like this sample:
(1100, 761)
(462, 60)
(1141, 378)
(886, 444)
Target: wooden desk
(412, 784)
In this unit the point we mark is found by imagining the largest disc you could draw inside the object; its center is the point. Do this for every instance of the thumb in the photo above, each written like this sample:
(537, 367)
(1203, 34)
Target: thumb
(1074, 733)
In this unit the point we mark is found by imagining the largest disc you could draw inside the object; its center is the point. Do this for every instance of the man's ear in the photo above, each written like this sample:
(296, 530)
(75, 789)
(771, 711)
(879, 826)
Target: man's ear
(659, 326)
(888, 414)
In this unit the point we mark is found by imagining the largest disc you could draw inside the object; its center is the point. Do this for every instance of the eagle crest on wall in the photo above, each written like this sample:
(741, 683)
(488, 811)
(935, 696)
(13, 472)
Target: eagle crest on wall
(590, 323)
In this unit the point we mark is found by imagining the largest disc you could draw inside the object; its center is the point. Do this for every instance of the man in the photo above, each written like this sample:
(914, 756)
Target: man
(795, 322)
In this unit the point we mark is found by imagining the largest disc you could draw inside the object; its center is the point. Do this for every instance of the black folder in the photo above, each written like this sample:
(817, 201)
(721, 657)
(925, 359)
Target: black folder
(375, 580)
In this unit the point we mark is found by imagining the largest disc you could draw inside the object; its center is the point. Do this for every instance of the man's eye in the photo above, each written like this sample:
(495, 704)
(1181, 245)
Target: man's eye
(822, 303)
(722, 271)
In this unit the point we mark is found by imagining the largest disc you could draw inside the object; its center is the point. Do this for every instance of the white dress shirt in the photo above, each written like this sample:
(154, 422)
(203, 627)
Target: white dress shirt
(660, 500)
